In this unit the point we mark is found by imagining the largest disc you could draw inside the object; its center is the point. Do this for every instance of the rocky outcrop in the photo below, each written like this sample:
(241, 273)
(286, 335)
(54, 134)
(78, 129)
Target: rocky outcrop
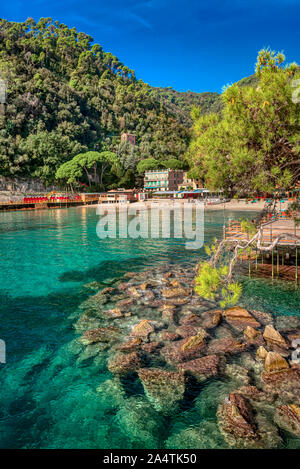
(240, 318)
(211, 319)
(288, 418)
(163, 388)
(274, 339)
(202, 368)
(143, 329)
(101, 334)
(226, 345)
(243, 428)
(236, 421)
(175, 292)
(124, 364)
(261, 353)
(274, 362)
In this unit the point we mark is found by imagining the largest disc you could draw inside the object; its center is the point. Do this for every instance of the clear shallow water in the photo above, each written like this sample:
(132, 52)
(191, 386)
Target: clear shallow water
(48, 398)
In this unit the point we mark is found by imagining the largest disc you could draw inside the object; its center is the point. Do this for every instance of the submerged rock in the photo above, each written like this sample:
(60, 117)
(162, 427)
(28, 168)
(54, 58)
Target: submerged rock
(226, 345)
(238, 374)
(240, 318)
(195, 342)
(211, 319)
(143, 329)
(124, 364)
(131, 345)
(236, 421)
(288, 418)
(287, 323)
(111, 393)
(204, 436)
(114, 313)
(175, 292)
(202, 368)
(140, 423)
(101, 334)
(163, 388)
(242, 428)
(175, 352)
(169, 336)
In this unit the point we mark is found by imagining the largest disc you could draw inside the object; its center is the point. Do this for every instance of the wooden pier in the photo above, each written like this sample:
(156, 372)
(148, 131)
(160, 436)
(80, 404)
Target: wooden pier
(270, 231)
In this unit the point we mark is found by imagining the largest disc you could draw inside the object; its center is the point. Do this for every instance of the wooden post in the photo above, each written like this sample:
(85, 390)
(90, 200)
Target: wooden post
(272, 264)
(256, 260)
(296, 273)
(277, 263)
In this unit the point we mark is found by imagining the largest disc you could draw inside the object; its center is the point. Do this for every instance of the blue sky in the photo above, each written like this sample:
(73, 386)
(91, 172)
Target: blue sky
(196, 45)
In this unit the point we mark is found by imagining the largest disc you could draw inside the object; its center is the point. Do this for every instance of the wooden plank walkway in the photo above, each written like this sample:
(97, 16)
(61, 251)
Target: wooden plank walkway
(270, 231)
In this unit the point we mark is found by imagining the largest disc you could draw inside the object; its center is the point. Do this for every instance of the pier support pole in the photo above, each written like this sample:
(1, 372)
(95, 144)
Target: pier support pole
(272, 264)
(277, 263)
(296, 273)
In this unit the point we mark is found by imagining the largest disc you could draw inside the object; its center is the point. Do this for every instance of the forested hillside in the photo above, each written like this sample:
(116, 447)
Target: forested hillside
(67, 96)
(181, 103)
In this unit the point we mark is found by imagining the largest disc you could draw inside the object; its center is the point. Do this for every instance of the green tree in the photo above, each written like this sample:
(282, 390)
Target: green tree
(255, 146)
(147, 164)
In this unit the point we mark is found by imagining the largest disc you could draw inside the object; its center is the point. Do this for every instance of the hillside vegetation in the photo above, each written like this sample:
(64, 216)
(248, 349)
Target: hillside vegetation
(67, 96)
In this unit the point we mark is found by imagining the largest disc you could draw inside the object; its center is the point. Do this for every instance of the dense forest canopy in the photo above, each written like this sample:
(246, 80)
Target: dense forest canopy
(66, 96)
(254, 145)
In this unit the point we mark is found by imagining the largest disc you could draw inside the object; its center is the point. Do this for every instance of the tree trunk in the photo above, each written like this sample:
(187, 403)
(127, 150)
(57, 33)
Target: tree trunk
(88, 176)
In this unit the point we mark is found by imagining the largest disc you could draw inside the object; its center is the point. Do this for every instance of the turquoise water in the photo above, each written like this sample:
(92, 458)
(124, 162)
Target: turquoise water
(48, 397)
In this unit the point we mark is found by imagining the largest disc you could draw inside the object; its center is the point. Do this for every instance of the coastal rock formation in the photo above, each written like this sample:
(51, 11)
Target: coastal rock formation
(237, 373)
(274, 362)
(288, 418)
(261, 353)
(114, 313)
(175, 352)
(163, 388)
(143, 329)
(287, 323)
(226, 345)
(125, 363)
(175, 292)
(101, 334)
(202, 368)
(195, 342)
(240, 318)
(211, 319)
(236, 421)
(274, 339)
(131, 345)
(241, 429)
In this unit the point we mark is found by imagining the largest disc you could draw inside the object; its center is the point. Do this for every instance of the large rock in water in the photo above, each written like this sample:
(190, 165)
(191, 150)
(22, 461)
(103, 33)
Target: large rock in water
(177, 352)
(143, 329)
(226, 345)
(175, 292)
(274, 339)
(202, 368)
(163, 388)
(274, 362)
(101, 334)
(288, 418)
(241, 429)
(235, 417)
(240, 318)
(125, 363)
